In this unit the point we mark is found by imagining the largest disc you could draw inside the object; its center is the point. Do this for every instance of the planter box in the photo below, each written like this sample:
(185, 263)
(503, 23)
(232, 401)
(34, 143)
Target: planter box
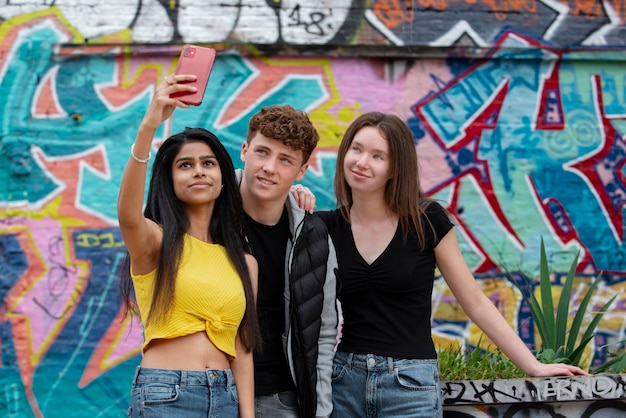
(559, 397)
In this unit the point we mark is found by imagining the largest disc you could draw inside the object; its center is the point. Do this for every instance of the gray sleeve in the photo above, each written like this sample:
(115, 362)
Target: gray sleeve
(328, 338)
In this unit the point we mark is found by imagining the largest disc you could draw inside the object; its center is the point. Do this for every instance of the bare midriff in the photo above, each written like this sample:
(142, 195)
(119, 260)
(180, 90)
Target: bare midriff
(190, 352)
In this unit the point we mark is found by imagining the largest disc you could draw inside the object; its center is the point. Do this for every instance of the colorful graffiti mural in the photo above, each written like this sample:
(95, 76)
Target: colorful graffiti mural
(518, 145)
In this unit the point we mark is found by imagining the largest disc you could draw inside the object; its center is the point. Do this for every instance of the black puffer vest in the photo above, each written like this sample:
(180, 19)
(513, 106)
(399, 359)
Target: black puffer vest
(307, 278)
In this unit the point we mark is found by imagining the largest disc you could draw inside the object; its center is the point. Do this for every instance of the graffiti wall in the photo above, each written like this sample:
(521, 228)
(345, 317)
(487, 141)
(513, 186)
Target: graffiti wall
(522, 140)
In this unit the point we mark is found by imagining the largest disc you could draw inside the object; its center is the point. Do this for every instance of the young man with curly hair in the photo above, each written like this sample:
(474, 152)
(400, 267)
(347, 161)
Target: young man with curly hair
(296, 298)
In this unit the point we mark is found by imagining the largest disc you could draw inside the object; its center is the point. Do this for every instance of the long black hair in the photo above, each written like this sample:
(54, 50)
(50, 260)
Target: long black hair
(226, 228)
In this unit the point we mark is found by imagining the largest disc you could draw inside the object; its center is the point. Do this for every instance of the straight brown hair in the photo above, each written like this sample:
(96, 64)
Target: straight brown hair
(403, 193)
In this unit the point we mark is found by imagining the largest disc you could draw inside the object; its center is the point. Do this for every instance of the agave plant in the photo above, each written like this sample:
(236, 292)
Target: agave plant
(560, 344)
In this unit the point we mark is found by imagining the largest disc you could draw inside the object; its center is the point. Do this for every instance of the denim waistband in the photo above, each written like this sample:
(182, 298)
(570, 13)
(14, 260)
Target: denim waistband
(376, 362)
(184, 377)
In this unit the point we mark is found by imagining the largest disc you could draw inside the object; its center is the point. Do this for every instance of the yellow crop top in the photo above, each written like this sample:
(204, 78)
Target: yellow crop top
(209, 297)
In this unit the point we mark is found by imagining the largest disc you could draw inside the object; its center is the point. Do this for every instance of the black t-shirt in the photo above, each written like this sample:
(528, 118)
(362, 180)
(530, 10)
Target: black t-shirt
(386, 305)
(269, 244)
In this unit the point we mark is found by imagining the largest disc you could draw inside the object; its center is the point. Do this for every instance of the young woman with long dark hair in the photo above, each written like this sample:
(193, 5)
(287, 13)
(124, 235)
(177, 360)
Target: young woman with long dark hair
(190, 277)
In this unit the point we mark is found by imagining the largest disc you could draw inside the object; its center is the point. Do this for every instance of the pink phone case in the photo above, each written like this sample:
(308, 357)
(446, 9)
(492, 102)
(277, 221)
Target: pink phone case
(196, 60)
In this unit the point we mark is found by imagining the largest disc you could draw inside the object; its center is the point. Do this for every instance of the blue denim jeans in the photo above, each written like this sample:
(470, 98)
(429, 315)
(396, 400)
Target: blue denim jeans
(277, 405)
(370, 386)
(159, 393)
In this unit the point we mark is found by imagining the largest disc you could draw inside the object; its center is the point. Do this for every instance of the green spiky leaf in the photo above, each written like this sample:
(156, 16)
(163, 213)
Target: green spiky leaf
(562, 312)
(545, 287)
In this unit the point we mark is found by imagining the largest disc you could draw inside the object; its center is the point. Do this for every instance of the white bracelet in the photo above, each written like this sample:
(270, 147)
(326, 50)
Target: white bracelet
(139, 160)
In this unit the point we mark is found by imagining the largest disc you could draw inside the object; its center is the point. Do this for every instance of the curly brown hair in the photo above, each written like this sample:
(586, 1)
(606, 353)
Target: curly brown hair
(284, 123)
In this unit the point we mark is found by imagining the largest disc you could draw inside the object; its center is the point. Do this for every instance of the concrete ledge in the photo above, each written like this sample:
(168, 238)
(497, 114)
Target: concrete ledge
(595, 396)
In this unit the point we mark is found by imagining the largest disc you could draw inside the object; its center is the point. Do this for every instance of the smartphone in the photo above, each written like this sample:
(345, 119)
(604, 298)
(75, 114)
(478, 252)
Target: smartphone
(195, 60)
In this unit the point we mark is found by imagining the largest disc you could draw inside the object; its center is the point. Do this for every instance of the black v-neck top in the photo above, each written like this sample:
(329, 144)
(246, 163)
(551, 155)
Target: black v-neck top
(386, 305)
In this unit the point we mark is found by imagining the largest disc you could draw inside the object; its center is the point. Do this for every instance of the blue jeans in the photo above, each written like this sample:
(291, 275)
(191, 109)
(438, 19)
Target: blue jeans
(277, 405)
(158, 393)
(370, 386)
